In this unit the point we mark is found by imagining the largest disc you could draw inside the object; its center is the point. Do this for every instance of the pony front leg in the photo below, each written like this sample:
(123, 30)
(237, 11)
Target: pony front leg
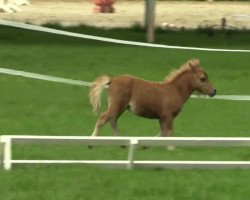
(166, 126)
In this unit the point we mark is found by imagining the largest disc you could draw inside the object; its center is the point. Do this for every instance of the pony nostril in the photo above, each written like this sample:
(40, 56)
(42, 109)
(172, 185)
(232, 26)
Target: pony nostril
(213, 93)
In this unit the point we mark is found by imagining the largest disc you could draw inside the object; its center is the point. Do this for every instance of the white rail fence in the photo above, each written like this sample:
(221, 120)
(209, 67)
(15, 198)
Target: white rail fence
(132, 143)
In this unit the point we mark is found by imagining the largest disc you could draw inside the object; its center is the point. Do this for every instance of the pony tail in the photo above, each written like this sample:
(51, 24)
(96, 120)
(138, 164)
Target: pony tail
(96, 91)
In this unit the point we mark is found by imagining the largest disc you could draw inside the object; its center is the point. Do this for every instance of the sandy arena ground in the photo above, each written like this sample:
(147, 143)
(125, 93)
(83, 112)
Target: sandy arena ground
(129, 13)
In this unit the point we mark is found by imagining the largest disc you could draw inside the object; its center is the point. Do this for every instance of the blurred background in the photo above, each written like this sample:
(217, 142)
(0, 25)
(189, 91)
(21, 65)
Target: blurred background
(126, 13)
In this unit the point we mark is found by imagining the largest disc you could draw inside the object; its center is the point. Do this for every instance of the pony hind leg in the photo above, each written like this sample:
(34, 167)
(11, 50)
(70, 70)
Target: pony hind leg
(117, 103)
(111, 115)
(103, 119)
(115, 113)
(113, 123)
(100, 123)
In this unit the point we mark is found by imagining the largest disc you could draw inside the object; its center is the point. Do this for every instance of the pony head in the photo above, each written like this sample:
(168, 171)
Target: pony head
(201, 82)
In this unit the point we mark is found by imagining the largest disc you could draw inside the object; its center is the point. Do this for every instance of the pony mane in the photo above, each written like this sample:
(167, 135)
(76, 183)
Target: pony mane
(174, 74)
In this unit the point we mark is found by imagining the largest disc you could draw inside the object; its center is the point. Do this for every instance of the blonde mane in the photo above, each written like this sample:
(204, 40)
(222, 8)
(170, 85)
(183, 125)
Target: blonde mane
(178, 72)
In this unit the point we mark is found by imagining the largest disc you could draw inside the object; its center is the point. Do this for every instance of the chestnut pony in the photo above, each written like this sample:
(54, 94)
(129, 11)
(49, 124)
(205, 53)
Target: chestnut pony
(155, 100)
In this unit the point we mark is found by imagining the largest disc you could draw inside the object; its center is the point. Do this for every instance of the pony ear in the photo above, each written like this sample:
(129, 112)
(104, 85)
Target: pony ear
(194, 64)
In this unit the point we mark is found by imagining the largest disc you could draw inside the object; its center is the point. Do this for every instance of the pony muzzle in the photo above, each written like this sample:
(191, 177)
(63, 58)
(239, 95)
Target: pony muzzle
(213, 93)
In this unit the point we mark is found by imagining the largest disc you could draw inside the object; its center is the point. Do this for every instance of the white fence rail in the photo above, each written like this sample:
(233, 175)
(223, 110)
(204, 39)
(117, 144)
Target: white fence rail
(132, 143)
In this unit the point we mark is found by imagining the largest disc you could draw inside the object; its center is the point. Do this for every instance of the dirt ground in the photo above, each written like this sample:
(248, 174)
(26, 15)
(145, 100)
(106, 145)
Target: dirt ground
(128, 13)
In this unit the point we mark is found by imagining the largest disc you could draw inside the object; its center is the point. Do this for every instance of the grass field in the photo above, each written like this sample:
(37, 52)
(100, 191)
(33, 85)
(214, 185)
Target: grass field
(43, 108)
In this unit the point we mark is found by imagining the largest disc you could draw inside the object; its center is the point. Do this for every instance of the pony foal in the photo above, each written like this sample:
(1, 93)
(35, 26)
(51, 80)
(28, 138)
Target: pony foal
(155, 100)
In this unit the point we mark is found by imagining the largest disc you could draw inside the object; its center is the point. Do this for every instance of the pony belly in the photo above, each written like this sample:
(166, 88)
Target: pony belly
(148, 114)
(142, 112)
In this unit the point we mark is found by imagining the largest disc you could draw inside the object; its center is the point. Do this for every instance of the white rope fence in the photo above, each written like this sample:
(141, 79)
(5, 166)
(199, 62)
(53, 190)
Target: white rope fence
(103, 39)
(132, 142)
(110, 40)
(43, 77)
(84, 83)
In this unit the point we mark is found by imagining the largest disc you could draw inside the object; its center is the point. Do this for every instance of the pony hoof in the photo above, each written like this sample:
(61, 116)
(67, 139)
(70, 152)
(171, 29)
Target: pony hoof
(171, 148)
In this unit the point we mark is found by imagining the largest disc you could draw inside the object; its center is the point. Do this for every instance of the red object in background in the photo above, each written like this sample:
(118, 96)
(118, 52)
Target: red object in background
(104, 6)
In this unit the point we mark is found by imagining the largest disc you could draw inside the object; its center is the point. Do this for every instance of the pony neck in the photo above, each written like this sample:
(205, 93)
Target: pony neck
(182, 84)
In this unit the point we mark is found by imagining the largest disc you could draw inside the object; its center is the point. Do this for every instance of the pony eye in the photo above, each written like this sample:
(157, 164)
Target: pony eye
(203, 79)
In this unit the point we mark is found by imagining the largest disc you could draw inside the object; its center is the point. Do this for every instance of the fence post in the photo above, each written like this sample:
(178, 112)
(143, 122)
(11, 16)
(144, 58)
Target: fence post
(1, 151)
(7, 154)
(150, 20)
(131, 152)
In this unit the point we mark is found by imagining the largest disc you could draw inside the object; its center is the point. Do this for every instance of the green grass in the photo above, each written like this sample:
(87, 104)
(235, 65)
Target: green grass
(38, 107)
(93, 183)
